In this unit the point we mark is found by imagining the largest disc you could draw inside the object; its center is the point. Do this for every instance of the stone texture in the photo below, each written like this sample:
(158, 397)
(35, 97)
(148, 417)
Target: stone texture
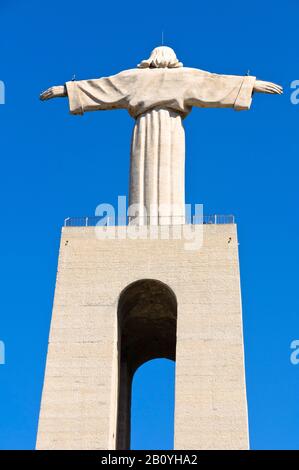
(79, 401)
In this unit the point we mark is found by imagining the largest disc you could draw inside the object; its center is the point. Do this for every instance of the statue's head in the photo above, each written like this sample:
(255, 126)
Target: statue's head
(161, 57)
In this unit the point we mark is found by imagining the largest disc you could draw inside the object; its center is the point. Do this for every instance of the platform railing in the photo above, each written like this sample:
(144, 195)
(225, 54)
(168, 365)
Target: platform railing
(92, 221)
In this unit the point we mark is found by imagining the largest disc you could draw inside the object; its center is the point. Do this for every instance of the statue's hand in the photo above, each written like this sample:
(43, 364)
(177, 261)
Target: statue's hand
(53, 92)
(267, 87)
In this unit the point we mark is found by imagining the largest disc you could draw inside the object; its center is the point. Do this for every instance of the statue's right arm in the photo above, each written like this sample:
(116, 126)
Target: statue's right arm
(53, 92)
(267, 87)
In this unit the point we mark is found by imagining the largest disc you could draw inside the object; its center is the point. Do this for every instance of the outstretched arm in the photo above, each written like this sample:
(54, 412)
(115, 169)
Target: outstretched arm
(53, 92)
(210, 90)
(267, 87)
(96, 94)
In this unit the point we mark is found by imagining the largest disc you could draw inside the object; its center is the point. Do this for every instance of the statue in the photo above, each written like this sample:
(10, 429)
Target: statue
(159, 94)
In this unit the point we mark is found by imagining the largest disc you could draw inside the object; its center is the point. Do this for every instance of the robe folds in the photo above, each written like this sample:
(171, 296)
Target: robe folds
(159, 99)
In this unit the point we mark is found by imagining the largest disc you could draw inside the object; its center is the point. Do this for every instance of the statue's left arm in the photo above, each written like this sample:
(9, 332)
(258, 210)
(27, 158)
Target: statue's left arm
(210, 90)
(96, 94)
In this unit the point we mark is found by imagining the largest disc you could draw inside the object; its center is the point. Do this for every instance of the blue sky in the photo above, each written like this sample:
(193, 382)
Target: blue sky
(55, 165)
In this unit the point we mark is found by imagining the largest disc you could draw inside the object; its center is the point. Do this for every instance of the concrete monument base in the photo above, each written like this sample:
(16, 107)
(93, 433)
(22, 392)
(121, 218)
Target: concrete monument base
(81, 391)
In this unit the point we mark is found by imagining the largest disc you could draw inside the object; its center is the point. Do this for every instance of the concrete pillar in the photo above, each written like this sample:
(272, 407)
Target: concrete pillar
(80, 394)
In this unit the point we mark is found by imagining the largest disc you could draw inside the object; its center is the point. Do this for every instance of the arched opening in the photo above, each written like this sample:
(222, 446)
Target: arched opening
(152, 408)
(147, 317)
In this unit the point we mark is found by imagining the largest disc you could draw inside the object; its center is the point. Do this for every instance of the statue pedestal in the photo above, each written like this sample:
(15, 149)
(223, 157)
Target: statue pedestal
(85, 371)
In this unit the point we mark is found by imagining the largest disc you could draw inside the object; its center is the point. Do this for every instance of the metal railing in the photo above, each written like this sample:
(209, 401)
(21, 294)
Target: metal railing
(92, 221)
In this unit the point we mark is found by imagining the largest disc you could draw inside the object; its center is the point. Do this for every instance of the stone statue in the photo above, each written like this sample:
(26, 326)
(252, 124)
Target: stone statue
(159, 94)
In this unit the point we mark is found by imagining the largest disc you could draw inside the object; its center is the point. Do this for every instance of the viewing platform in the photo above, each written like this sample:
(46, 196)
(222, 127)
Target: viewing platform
(93, 221)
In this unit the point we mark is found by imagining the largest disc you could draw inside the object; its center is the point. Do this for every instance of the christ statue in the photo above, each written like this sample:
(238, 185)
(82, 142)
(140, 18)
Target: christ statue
(159, 94)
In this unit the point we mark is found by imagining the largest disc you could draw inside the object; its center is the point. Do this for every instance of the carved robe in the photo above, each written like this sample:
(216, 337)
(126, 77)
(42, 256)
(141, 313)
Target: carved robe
(159, 99)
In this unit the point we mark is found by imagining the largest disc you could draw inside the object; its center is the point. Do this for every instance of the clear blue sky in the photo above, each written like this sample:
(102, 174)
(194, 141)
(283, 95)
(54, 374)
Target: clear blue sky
(241, 163)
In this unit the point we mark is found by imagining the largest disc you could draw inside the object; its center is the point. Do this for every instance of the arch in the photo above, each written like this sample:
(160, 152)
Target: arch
(147, 319)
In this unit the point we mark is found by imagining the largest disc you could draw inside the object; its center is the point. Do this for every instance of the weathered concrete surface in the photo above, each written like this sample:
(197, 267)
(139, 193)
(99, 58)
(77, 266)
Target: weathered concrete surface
(79, 401)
